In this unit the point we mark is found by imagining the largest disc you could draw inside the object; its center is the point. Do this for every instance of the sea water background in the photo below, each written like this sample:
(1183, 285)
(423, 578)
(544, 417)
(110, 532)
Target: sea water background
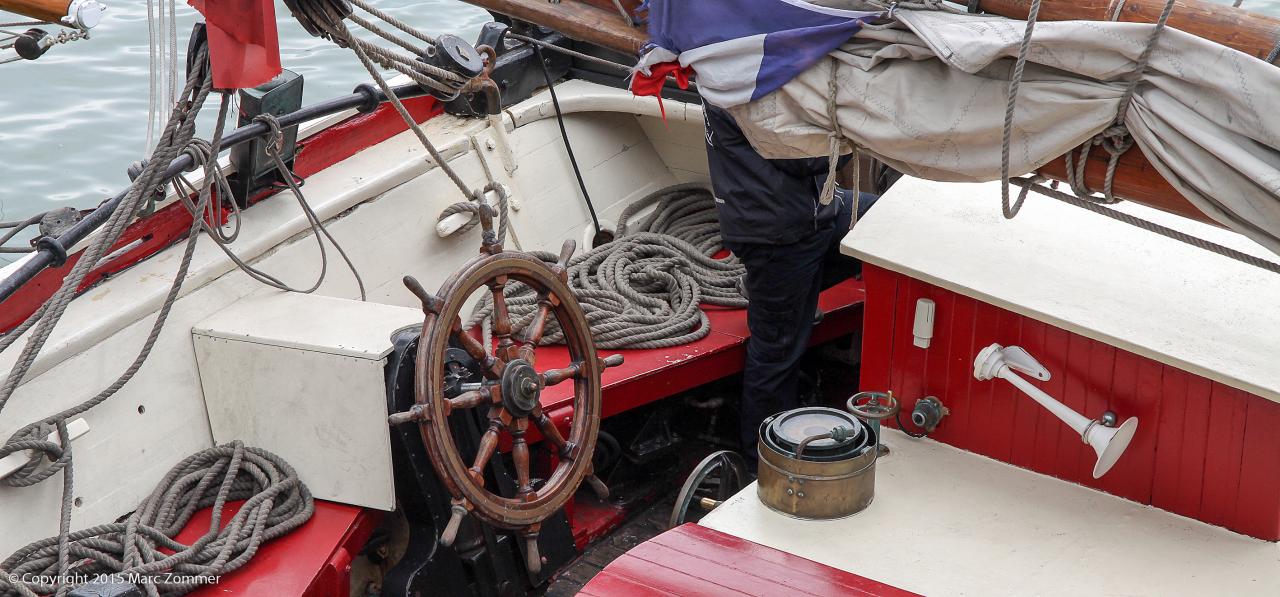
(72, 121)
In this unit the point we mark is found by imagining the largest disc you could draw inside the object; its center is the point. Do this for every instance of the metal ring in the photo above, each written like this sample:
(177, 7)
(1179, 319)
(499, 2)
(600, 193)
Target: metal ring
(53, 247)
(874, 457)
(889, 409)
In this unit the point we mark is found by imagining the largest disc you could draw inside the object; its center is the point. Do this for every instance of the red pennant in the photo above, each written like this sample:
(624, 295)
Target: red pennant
(652, 83)
(244, 48)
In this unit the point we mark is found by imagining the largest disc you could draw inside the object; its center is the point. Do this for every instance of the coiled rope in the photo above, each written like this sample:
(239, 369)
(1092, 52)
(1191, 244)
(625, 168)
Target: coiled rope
(142, 547)
(645, 289)
(48, 457)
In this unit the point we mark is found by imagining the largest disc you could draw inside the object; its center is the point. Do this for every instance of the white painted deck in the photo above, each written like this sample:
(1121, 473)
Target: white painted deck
(381, 204)
(1089, 274)
(949, 522)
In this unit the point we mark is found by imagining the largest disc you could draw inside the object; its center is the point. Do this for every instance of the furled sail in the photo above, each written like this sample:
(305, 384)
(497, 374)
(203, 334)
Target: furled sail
(928, 96)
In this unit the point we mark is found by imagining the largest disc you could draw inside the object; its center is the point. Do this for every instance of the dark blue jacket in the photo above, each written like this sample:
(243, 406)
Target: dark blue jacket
(761, 200)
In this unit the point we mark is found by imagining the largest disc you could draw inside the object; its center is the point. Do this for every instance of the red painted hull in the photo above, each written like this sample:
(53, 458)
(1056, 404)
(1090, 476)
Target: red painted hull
(1203, 450)
(692, 560)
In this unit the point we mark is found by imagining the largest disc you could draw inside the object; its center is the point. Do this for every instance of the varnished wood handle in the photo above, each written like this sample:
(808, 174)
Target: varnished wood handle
(44, 10)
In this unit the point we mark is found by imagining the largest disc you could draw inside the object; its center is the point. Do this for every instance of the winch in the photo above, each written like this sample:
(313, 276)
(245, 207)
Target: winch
(817, 463)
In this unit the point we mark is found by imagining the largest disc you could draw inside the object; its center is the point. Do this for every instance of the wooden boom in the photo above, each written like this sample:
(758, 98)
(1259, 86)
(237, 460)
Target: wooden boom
(598, 22)
(43, 10)
(1236, 28)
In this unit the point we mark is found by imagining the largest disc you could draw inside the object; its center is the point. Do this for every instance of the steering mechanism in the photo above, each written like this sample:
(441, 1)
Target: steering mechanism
(510, 391)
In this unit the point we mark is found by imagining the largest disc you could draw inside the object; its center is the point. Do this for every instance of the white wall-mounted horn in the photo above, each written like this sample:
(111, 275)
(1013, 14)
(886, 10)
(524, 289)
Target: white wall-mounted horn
(1109, 442)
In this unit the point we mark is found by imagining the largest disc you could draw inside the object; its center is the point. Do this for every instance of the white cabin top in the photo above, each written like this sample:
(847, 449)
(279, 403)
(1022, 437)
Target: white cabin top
(1083, 272)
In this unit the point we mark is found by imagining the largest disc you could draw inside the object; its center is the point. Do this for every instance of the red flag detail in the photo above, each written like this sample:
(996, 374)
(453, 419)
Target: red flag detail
(244, 49)
(652, 83)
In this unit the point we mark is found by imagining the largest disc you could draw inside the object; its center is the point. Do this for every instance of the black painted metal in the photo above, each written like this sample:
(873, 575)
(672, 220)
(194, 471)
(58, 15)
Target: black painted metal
(481, 561)
(255, 169)
(516, 73)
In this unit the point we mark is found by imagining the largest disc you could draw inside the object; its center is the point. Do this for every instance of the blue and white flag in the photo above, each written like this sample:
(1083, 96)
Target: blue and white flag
(742, 50)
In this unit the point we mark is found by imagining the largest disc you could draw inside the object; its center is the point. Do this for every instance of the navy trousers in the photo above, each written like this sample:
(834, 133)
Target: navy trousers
(783, 283)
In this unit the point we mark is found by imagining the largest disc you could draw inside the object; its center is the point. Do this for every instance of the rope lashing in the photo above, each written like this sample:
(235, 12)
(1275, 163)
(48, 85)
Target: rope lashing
(144, 545)
(1019, 66)
(1033, 183)
(835, 138)
(835, 149)
(473, 207)
(645, 289)
(1115, 138)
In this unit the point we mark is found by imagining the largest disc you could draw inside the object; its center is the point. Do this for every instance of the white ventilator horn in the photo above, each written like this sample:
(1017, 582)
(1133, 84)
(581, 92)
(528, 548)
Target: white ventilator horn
(1109, 442)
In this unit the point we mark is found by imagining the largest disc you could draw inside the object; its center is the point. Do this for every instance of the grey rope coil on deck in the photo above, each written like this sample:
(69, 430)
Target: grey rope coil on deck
(143, 546)
(645, 289)
(49, 457)
(53, 556)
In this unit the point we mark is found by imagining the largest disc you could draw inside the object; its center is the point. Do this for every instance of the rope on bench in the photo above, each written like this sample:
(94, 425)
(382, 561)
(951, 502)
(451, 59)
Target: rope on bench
(645, 289)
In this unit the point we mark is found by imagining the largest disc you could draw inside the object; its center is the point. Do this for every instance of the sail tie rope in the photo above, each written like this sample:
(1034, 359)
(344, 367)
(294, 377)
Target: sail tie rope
(1115, 138)
(1034, 183)
(143, 548)
(835, 149)
(645, 289)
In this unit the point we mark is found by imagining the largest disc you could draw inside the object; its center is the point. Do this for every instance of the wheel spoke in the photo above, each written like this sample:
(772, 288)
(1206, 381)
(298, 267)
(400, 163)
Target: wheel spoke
(501, 318)
(491, 366)
(520, 455)
(550, 432)
(533, 332)
(555, 376)
(488, 445)
(471, 399)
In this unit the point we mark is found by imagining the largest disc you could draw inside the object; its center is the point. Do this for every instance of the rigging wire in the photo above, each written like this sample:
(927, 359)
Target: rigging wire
(568, 147)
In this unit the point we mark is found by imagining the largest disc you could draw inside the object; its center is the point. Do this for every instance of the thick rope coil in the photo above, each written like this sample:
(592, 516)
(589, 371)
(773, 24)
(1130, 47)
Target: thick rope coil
(177, 133)
(645, 289)
(143, 545)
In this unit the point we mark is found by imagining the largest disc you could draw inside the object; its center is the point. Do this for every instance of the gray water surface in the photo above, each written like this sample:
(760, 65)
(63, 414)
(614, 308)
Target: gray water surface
(72, 121)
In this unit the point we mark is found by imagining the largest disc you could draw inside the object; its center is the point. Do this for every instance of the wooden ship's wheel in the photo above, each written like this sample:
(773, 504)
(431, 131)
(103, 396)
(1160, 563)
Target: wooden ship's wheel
(510, 390)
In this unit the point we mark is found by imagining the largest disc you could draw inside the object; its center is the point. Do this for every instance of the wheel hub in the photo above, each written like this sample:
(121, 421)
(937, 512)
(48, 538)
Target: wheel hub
(521, 388)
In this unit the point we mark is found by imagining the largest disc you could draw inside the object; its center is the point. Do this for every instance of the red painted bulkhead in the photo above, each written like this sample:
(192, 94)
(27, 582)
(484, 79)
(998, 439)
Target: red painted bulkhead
(1203, 450)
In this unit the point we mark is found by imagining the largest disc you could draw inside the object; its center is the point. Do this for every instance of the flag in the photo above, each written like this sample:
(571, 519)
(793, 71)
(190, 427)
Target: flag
(742, 50)
(244, 50)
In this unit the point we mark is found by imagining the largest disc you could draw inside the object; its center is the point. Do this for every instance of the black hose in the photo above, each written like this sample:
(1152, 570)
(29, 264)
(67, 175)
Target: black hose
(903, 428)
(365, 98)
(598, 239)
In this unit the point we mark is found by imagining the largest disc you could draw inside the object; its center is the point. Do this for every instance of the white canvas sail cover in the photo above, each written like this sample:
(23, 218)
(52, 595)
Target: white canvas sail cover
(929, 99)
